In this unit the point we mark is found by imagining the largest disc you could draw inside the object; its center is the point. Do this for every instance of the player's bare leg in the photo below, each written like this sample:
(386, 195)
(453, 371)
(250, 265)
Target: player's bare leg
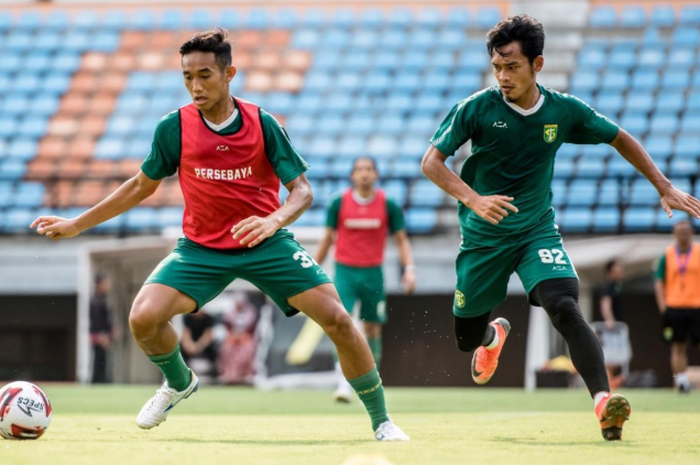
(322, 304)
(149, 320)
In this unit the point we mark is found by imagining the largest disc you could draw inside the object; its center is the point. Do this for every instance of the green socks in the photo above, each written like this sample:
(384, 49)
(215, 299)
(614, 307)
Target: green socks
(375, 345)
(371, 392)
(174, 369)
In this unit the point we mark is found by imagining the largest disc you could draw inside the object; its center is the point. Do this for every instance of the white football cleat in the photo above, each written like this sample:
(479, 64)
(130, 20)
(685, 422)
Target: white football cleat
(342, 395)
(388, 431)
(157, 408)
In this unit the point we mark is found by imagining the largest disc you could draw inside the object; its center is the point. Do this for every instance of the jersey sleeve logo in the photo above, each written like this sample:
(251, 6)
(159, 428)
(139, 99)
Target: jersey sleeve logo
(460, 301)
(550, 132)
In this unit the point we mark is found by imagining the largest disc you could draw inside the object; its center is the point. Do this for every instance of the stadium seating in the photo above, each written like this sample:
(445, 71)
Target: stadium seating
(345, 83)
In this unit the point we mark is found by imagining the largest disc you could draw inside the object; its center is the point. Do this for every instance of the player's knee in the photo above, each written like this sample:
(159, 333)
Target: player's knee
(564, 312)
(142, 319)
(339, 326)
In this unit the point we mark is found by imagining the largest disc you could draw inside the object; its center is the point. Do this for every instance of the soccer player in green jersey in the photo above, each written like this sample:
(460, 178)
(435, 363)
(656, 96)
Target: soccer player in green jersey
(506, 219)
(230, 157)
(359, 220)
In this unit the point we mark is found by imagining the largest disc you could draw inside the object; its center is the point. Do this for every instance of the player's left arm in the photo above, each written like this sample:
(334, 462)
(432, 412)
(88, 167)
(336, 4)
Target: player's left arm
(408, 280)
(671, 198)
(255, 229)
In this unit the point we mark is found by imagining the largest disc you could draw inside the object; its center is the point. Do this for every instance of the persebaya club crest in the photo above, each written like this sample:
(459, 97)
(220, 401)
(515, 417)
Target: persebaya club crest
(550, 132)
(459, 299)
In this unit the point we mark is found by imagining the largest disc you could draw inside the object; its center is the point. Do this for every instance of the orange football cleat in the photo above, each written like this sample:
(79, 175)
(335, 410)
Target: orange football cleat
(485, 361)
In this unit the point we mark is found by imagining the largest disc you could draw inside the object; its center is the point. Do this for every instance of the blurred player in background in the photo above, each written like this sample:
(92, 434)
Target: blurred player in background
(231, 157)
(101, 329)
(611, 309)
(507, 222)
(360, 220)
(677, 289)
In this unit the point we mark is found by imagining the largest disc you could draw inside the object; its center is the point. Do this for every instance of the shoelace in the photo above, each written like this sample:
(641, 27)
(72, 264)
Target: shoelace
(162, 398)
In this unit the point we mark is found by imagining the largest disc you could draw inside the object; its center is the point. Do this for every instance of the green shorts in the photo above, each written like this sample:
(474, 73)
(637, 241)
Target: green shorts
(483, 272)
(365, 285)
(279, 267)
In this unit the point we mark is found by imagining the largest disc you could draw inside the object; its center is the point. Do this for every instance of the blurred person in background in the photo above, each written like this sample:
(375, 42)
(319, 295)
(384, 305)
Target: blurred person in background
(505, 206)
(359, 221)
(612, 312)
(231, 157)
(197, 340)
(101, 329)
(236, 361)
(611, 308)
(677, 288)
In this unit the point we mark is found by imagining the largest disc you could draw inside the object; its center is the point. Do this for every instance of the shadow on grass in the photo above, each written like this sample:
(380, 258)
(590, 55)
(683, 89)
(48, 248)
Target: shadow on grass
(540, 442)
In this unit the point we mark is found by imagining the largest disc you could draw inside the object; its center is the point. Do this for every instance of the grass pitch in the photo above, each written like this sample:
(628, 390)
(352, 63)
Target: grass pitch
(240, 426)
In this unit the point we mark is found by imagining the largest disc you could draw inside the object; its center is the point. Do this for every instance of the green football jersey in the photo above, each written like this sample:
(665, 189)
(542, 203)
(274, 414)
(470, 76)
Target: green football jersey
(513, 153)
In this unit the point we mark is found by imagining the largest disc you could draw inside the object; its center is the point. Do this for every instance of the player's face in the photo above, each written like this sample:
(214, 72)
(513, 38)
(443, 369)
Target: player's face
(206, 82)
(363, 174)
(514, 72)
(617, 272)
(683, 234)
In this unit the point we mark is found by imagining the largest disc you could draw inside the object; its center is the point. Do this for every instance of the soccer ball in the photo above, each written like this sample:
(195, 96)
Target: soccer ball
(25, 411)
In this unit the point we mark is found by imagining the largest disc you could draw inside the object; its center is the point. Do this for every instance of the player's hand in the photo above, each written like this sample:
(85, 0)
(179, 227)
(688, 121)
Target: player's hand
(675, 199)
(408, 281)
(55, 227)
(492, 208)
(254, 230)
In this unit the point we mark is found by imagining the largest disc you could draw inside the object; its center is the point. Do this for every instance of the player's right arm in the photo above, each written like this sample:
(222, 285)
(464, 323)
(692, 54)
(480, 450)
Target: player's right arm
(606, 311)
(660, 284)
(129, 194)
(456, 129)
(161, 162)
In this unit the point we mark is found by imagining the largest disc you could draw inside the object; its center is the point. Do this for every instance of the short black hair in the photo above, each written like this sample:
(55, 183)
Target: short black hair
(366, 157)
(609, 265)
(213, 41)
(523, 29)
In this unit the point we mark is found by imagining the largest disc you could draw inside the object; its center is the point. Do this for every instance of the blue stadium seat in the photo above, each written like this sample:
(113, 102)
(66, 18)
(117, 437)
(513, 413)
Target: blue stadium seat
(659, 147)
(412, 147)
(408, 82)
(633, 17)
(639, 102)
(690, 123)
(201, 19)
(356, 60)
(364, 39)
(606, 220)
(421, 220)
(322, 147)
(55, 22)
(18, 40)
(392, 39)
(110, 148)
(585, 81)
(683, 166)
(12, 169)
(319, 169)
(619, 167)
(30, 194)
(653, 37)
(458, 17)
(33, 126)
(670, 102)
(371, 18)
(690, 16)
(56, 84)
(336, 39)
(169, 216)
(351, 147)
(421, 124)
(622, 59)
(421, 39)
(405, 168)
(425, 194)
(575, 219)
(643, 193)
(686, 36)
(592, 59)
(639, 219)
(360, 125)
(563, 168)
(609, 102)
(172, 19)
(37, 62)
(609, 193)
(382, 147)
(28, 20)
(348, 82)
(17, 220)
(664, 223)
(15, 105)
(687, 146)
(113, 20)
(143, 81)
(120, 126)
(451, 39)
(84, 20)
(634, 123)
(603, 17)
(558, 189)
(582, 192)
(473, 60)
(341, 167)
(391, 125)
(140, 218)
(487, 17)
(663, 16)
(8, 125)
(675, 79)
(306, 39)
(652, 58)
(664, 123)
(399, 102)
(682, 58)
(396, 190)
(27, 85)
(298, 125)
(591, 168)
(138, 148)
(7, 196)
(428, 17)
(65, 62)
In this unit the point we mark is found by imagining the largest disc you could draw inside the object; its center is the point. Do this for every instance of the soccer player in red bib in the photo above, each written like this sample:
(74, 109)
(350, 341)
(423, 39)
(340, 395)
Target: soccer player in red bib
(231, 157)
(361, 219)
